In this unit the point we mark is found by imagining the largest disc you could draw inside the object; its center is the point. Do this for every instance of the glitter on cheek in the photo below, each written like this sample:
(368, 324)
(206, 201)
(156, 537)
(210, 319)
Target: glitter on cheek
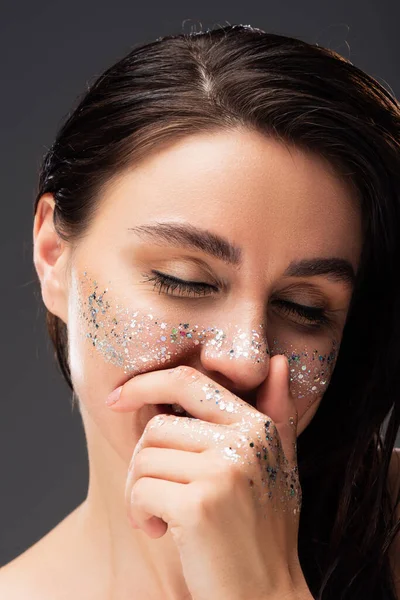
(136, 339)
(131, 339)
(310, 371)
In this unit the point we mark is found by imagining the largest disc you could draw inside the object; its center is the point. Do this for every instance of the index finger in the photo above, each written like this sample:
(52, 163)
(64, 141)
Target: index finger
(198, 394)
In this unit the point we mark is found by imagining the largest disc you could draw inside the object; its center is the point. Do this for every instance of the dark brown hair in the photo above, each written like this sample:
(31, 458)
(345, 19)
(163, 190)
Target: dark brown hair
(241, 77)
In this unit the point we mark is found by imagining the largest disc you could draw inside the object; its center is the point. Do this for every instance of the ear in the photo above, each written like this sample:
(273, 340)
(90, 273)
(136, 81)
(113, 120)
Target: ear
(50, 256)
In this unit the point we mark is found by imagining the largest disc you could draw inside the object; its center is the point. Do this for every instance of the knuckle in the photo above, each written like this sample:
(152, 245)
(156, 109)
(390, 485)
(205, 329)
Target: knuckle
(229, 469)
(220, 466)
(186, 374)
(136, 495)
(152, 427)
(223, 468)
(234, 473)
(141, 461)
(199, 505)
(226, 469)
(266, 428)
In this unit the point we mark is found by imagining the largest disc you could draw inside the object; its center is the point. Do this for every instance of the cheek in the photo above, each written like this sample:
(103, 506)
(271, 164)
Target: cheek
(110, 342)
(95, 365)
(310, 367)
(90, 376)
(109, 339)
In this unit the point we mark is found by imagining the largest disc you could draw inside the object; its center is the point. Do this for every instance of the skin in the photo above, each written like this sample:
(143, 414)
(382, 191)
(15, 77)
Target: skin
(278, 205)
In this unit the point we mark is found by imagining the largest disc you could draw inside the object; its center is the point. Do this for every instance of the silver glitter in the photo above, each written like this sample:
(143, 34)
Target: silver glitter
(120, 335)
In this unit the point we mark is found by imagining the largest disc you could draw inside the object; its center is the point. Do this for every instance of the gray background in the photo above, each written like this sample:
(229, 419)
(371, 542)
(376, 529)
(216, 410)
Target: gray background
(50, 51)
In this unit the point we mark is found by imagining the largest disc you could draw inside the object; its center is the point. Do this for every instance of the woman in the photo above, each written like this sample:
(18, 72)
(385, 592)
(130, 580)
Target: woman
(216, 239)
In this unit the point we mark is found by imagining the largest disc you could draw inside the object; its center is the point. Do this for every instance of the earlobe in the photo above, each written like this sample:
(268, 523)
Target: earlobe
(50, 254)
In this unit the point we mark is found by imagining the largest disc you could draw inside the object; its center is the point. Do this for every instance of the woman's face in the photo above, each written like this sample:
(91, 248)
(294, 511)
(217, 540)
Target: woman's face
(259, 228)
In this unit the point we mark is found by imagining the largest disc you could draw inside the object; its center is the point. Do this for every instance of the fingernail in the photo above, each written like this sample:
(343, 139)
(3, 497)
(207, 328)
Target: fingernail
(113, 397)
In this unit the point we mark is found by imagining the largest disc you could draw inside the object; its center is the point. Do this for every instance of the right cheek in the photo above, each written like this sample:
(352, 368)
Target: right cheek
(120, 431)
(90, 375)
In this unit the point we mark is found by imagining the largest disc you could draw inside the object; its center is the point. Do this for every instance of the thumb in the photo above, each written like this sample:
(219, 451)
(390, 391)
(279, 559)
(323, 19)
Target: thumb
(276, 401)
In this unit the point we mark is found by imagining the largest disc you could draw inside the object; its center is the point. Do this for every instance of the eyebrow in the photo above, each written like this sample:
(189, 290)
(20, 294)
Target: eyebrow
(190, 236)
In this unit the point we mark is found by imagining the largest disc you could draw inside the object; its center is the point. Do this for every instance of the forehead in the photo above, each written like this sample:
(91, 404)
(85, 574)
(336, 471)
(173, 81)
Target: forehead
(261, 194)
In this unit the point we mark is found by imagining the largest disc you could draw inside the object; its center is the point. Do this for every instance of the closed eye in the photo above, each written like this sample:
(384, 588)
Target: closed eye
(312, 316)
(167, 282)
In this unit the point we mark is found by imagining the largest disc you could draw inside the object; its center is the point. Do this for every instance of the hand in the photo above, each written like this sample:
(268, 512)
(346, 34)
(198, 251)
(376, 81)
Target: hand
(225, 483)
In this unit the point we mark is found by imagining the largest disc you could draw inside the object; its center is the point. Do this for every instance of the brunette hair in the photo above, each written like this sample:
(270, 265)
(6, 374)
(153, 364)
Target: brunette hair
(236, 77)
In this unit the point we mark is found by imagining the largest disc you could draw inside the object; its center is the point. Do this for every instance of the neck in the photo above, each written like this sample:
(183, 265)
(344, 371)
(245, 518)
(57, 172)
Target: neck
(132, 564)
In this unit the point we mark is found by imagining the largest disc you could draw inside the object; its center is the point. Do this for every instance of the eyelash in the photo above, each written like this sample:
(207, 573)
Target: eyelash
(315, 317)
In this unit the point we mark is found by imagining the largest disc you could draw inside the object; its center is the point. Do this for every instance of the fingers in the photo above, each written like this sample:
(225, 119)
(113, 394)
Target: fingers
(157, 455)
(198, 394)
(156, 481)
(277, 402)
(167, 463)
(148, 502)
(181, 433)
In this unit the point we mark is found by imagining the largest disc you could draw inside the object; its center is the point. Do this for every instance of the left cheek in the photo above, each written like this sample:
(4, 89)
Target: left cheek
(310, 370)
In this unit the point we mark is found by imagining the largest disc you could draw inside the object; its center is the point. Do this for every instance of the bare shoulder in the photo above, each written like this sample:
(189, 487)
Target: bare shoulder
(19, 580)
(46, 570)
(394, 486)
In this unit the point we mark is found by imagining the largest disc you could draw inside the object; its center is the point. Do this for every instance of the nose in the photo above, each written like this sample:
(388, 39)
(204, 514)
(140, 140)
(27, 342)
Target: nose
(237, 356)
